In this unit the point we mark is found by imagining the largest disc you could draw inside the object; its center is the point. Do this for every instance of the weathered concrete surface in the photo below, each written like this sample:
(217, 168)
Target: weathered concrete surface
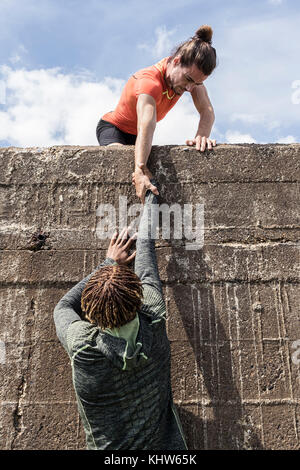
(233, 306)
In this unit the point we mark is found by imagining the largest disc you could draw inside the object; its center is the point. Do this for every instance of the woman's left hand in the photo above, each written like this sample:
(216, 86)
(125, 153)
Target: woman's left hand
(202, 143)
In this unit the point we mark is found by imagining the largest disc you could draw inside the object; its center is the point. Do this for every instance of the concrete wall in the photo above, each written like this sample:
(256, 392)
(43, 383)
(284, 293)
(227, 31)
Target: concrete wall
(233, 306)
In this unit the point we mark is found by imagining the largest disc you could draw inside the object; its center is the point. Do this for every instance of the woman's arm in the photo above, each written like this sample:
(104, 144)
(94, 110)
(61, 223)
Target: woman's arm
(207, 117)
(146, 114)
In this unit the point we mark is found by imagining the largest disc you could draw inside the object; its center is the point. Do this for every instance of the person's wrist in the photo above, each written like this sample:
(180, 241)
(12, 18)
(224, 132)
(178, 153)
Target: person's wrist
(137, 169)
(143, 171)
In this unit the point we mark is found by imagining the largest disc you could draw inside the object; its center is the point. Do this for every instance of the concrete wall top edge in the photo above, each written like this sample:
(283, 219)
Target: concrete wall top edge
(69, 164)
(129, 147)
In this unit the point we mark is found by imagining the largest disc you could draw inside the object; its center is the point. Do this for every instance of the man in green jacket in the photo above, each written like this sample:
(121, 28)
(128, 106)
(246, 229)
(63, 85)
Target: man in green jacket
(112, 325)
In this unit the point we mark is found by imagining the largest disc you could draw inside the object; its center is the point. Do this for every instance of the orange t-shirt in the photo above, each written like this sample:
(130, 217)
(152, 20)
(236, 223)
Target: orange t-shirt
(150, 81)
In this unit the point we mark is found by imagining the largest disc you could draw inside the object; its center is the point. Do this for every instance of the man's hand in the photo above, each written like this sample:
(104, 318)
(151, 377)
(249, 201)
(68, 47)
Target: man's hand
(201, 143)
(119, 247)
(141, 180)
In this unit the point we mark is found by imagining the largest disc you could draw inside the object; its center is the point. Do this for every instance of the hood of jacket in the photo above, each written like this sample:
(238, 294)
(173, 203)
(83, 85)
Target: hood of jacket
(118, 351)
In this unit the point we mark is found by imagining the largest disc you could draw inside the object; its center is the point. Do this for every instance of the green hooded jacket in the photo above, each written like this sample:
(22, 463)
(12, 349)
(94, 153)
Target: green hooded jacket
(121, 377)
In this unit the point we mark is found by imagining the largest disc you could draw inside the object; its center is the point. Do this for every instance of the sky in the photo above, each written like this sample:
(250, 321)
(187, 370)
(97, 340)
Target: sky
(63, 64)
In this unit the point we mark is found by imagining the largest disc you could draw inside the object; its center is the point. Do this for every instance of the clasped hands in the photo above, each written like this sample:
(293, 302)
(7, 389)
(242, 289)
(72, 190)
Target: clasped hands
(141, 180)
(120, 244)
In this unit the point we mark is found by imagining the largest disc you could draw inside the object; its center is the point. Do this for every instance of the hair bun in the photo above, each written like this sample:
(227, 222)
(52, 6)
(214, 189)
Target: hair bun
(204, 33)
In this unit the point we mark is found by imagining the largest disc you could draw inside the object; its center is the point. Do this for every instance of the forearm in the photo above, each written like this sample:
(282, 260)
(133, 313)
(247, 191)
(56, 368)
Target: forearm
(146, 122)
(143, 144)
(207, 119)
(205, 109)
(145, 259)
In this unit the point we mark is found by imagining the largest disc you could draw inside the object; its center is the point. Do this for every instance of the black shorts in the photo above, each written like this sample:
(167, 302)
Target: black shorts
(107, 133)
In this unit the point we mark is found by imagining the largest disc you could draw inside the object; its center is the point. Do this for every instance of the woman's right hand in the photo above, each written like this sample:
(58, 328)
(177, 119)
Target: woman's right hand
(141, 180)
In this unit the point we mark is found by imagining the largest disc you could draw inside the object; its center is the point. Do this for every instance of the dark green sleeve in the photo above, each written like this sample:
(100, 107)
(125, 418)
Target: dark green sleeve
(145, 261)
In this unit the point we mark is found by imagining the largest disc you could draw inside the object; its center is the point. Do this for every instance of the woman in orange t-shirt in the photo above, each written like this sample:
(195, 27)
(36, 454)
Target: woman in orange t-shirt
(148, 81)
(151, 93)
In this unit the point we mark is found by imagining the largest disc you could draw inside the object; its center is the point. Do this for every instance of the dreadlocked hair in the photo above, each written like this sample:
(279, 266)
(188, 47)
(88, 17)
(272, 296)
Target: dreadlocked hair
(112, 296)
(198, 50)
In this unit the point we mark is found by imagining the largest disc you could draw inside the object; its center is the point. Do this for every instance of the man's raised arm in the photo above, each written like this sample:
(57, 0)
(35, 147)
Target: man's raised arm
(145, 261)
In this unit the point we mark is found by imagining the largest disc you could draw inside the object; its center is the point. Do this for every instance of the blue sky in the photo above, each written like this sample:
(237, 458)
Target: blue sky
(64, 63)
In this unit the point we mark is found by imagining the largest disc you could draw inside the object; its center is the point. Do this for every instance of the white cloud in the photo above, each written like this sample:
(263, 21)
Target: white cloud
(18, 54)
(295, 98)
(248, 118)
(290, 139)
(162, 45)
(275, 2)
(46, 107)
(235, 137)
(2, 92)
(179, 125)
(256, 119)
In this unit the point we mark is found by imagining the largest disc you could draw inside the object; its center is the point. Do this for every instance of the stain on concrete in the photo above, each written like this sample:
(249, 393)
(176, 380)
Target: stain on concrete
(38, 240)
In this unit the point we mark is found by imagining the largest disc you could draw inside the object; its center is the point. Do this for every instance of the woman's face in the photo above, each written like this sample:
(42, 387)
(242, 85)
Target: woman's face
(182, 79)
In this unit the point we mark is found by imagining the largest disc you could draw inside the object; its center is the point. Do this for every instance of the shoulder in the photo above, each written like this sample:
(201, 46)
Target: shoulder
(148, 81)
(79, 334)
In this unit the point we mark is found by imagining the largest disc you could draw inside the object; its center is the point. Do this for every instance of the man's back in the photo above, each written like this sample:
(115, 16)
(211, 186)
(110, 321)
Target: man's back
(122, 398)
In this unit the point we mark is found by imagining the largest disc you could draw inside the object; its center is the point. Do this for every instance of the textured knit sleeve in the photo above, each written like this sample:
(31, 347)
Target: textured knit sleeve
(145, 261)
(68, 309)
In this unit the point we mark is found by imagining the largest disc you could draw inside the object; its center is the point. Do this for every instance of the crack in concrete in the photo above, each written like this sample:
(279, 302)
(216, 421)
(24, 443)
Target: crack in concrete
(18, 423)
(18, 413)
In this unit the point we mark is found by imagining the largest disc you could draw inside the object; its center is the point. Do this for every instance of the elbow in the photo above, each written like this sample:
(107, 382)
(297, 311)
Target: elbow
(56, 312)
(58, 307)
